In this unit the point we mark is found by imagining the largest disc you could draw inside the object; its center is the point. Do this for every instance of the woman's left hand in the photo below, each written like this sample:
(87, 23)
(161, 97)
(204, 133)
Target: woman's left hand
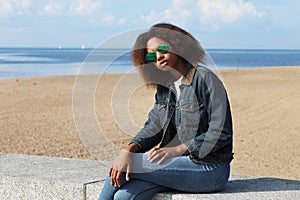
(162, 154)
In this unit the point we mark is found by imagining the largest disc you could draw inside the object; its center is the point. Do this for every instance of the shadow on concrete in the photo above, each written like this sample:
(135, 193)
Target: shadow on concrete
(261, 185)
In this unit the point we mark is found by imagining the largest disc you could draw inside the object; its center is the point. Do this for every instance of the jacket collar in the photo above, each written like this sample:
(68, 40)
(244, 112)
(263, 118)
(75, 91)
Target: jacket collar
(188, 75)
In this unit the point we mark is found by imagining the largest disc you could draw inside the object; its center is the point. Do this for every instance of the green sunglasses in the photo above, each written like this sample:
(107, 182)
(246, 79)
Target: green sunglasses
(162, 48)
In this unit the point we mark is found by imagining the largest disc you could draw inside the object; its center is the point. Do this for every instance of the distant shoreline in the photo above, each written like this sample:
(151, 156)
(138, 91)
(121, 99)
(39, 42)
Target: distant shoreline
(36, 62)
(129, 48)
(118, 73)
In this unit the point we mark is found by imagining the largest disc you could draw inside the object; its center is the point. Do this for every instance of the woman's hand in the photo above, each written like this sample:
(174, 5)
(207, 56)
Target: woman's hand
(122, 164)
(162, 154)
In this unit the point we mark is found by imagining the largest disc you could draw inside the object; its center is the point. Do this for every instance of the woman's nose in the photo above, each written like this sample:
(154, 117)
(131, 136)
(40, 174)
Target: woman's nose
(159, 56)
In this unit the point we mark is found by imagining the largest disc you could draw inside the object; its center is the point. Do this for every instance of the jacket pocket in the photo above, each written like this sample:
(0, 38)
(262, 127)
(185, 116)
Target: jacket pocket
(190, 106)
(191, 112)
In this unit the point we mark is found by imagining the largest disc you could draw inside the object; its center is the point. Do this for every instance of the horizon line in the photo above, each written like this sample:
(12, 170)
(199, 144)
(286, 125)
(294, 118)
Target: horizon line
(90, 48)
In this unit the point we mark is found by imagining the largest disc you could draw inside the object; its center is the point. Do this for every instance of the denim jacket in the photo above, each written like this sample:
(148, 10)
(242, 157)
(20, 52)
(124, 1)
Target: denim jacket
(202, 118)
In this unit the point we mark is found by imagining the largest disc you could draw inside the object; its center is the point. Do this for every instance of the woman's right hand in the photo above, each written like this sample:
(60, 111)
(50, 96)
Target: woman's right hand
(122, 164)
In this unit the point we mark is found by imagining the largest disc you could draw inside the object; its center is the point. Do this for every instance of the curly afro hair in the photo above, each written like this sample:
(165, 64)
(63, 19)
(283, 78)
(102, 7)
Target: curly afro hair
(183, 44)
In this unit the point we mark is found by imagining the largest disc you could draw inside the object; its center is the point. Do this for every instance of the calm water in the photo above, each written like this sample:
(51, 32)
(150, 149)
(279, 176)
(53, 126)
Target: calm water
(27, 62)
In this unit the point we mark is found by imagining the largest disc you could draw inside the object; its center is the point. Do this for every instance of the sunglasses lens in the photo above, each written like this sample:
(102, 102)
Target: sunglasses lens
(163, 48)
(151, 56)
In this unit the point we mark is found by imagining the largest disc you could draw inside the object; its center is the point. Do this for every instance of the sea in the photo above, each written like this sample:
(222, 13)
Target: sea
(30, 62)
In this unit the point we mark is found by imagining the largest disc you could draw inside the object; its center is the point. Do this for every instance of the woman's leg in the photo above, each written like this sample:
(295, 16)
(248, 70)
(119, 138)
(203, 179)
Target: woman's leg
(108, 190)
(178, 173)
(182, 174)
(134, 189)
(138, 190)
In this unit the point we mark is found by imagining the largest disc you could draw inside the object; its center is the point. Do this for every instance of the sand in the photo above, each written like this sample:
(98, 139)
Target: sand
(36, 117)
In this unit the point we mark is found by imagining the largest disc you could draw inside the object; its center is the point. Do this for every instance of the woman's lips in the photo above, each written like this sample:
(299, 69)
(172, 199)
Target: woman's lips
(163, 63)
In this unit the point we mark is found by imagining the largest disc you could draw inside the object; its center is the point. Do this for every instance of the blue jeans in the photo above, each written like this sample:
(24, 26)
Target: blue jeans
(175, 174)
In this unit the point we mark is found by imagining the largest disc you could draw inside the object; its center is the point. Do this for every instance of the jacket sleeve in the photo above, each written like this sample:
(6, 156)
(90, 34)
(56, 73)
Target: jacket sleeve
(151, 134)
(219, 132)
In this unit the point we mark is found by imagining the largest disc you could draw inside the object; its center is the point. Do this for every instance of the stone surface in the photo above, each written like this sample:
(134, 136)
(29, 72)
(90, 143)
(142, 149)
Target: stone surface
(242, 187)
(40, 177)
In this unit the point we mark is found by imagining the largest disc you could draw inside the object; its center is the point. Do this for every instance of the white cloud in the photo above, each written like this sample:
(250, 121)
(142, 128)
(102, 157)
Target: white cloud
(85, 7)
(178, 12)
(168, 14)
(153, 16)
(17, 29)
(22, 6)
(107, 20)
(215, 12)
(11, 7)
(6, 8)
(53, 8)
(89, 10)
(80, 7)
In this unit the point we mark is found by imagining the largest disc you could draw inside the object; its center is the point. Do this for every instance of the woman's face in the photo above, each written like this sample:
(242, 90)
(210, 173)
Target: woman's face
(163, 61)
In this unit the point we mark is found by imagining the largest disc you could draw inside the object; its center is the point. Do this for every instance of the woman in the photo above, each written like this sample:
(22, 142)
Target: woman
(186, 143)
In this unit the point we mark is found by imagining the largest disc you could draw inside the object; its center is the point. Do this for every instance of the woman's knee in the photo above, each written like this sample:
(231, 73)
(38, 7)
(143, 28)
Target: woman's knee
(123, 195)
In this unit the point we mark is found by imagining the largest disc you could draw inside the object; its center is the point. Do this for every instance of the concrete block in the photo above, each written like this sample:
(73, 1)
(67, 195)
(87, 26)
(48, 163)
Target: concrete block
(40, 177)
(46, 178)
(243, 187)
(240, 187)
(93, 190)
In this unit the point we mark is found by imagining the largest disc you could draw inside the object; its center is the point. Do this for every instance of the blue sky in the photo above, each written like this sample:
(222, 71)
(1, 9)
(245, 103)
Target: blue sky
(271, 24)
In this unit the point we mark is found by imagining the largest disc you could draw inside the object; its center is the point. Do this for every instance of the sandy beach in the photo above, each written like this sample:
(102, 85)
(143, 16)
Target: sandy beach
(36, 118)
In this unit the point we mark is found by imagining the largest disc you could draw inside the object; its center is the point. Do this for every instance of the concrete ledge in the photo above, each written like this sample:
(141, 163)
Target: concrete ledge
(40, 177)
